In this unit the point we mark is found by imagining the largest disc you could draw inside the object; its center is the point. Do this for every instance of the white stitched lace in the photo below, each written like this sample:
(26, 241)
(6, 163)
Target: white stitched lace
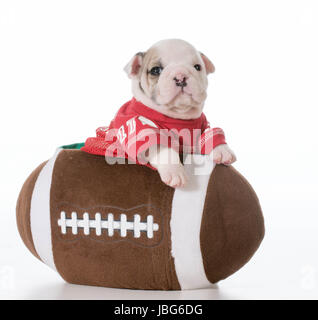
(110, 224)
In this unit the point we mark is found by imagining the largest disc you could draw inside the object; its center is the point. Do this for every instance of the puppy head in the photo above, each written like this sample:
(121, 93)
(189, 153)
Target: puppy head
(171, 77)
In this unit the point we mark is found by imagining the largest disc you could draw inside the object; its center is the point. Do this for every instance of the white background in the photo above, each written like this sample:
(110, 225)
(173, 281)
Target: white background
(61, 77)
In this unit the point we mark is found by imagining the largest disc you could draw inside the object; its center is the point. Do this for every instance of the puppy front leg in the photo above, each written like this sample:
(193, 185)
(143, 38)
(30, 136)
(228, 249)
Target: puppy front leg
(167, 162)
(223, 154)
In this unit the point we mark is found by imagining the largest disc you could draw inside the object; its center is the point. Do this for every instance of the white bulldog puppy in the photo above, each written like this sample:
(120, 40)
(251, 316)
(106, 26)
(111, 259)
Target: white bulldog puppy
(171, 78)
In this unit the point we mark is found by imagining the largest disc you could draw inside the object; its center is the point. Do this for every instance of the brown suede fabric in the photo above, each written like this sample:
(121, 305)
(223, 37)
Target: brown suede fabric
(83, 182)
(23, 209)
(232, 224)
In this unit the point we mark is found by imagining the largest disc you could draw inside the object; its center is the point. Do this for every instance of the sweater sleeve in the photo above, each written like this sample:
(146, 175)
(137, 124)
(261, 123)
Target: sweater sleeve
(210, 138)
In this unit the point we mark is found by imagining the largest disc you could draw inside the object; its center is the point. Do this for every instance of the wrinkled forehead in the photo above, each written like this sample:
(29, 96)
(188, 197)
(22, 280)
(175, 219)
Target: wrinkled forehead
(173, 52)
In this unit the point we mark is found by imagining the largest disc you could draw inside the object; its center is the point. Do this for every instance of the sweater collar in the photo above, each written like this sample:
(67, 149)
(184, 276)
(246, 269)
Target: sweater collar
(143, 110)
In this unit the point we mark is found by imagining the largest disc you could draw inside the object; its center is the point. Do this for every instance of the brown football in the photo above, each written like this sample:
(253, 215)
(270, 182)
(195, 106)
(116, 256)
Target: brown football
(120, 226)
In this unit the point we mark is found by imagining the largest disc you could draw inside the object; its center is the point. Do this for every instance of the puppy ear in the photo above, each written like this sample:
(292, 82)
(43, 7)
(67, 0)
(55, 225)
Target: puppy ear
(133, 66)
(209, 66)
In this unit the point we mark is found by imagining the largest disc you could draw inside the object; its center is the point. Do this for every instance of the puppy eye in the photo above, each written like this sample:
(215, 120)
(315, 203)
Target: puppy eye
(155, 71)
(197, 67)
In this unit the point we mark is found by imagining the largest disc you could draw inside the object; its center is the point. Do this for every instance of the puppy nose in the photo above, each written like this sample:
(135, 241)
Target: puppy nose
(181, 80)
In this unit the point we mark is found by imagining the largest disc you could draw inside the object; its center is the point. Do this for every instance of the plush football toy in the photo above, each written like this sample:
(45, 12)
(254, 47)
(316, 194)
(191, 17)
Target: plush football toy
(120, 226)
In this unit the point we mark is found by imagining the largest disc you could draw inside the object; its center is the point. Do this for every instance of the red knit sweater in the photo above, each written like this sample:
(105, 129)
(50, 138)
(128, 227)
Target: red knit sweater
(136, 127)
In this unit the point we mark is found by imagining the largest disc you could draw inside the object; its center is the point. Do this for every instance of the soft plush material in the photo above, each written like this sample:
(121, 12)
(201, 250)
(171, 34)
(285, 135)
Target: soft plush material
(119, 226)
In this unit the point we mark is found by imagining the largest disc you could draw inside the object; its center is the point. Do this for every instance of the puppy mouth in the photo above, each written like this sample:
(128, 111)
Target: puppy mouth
(181, 100)
(186, 106)
(182, 92)
(185, 93)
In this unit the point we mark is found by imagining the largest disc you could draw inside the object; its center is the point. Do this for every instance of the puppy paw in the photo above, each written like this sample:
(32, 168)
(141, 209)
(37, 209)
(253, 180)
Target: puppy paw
(173, 175)
(223, 154)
